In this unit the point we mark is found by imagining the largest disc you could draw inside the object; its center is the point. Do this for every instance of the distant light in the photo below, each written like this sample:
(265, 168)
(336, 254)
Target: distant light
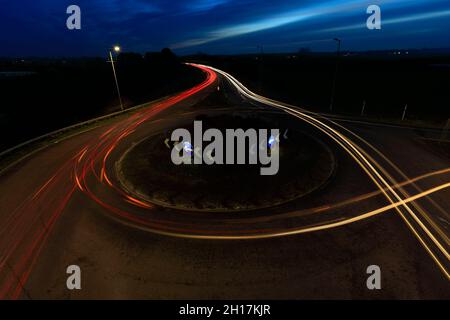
(116, 48)
(271, 141)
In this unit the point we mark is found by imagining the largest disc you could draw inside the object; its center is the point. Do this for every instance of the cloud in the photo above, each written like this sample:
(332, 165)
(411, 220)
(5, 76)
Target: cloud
(121, 10)
(271, 22)
(310, 12)
(204, 5)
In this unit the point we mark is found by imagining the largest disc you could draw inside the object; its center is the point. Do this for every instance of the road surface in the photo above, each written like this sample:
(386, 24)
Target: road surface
(387, 205)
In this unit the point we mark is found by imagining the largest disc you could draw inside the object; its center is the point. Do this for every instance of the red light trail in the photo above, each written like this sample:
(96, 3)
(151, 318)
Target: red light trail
(28, 227)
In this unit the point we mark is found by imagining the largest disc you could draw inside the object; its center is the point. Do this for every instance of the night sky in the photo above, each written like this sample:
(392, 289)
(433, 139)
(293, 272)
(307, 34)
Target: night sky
(38, 27)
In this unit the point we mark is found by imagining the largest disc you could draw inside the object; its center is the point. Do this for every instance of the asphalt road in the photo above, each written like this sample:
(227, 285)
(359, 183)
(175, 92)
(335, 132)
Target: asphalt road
(387, 205)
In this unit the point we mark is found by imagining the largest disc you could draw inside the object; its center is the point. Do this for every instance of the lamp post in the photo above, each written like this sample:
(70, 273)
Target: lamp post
(333, 89)
(116, 50)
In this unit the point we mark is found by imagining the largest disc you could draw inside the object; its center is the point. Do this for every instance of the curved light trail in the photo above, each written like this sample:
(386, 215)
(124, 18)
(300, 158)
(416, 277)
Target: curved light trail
(380, 177)
(28, 227)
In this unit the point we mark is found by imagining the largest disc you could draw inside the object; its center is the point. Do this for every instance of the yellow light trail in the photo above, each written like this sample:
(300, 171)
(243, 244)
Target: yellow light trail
(346, 202)
(403, 191)
(315, 228)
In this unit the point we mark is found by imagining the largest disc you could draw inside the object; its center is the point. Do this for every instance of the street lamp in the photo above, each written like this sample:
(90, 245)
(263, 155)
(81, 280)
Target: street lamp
(338, 52)
(116, 50)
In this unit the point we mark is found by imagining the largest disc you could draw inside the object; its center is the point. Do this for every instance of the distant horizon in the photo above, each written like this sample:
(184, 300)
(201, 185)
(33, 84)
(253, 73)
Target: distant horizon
(437, 50)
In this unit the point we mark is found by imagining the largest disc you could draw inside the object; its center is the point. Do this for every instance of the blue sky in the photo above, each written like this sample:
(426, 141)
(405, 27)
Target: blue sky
(37, 27)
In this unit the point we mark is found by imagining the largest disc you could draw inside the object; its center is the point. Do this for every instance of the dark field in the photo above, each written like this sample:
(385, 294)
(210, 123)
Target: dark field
(42, 95)
(39, 96)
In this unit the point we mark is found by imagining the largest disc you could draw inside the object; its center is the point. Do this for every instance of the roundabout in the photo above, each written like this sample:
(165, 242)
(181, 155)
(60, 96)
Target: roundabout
(146, 171)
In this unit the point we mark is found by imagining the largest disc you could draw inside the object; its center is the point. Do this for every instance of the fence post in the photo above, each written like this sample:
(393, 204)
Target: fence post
(404, 112)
